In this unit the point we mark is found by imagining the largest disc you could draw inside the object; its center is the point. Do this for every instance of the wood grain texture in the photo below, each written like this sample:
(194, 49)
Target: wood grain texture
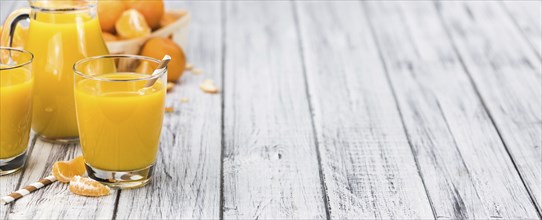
(527, 15)
(369, 170)
(271, 167)
(507, 74)
(270, 161)
(186, 184)
(10, 183)
(56, 201)
(463, 162)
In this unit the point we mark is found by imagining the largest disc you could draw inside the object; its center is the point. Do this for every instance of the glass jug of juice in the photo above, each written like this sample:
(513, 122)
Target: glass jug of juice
(61, 32)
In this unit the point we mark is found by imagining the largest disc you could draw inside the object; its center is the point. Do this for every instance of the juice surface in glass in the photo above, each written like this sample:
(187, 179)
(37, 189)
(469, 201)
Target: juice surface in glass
(58, 40)
(15, 110)
(119, 122)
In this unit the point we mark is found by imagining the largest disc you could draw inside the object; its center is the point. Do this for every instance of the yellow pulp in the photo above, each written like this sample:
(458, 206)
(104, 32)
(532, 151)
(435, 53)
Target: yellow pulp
(57, 41)
(119, 122)
(15, 111)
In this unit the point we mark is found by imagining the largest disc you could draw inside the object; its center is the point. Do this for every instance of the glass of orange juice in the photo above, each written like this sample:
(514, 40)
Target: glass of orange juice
(119, 105)
(60, 33)
(16, 85)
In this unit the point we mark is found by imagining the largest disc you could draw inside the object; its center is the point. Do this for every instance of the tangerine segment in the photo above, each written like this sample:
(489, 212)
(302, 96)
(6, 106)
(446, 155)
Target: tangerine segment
(87, 187)
(64, 171)
(132, 24)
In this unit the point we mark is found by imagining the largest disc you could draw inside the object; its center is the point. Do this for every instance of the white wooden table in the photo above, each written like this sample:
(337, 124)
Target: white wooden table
(359, 110)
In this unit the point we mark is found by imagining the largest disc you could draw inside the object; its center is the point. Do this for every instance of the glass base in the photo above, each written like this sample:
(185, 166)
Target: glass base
(12, 164)
(121, 179)
(62, 140)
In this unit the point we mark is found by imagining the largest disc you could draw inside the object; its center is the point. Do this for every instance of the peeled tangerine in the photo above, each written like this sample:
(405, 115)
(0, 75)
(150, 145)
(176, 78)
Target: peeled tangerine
(88, 187)
(152, 10)
(132, 24)
(64, 171)
(158, 47)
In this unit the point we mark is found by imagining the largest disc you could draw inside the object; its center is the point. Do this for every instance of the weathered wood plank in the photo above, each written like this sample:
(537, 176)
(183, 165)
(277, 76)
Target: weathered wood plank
(463, 161)
(10, 183)
(186, 184)
(56, 201)
(270, 161)
(369, 170)
(527, 15)
(507, 75)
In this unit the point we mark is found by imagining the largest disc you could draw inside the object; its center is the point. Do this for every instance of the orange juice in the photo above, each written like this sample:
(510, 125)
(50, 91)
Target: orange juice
(58, 40)
(119, 122)
(15, 110)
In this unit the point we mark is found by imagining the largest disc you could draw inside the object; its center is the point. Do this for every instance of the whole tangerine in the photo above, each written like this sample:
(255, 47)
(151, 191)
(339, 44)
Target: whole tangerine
(158, 47)
(109, 11)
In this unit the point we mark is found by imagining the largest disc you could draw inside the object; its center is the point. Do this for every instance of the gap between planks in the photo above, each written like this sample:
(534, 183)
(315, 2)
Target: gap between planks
(325, 197)
(488, 87)
(432, 61)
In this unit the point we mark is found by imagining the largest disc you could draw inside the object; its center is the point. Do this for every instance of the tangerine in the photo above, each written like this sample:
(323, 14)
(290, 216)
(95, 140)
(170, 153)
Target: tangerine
(152, 10)
(109, 12)
(132, 24)
(158, 47)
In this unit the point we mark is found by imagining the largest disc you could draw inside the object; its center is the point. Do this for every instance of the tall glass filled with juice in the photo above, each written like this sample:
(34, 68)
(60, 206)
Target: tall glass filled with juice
(120, 109)
(61, 32)
(16, 82)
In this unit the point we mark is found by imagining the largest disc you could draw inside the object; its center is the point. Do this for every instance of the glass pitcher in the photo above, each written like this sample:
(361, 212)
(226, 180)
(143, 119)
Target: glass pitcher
(61, 32)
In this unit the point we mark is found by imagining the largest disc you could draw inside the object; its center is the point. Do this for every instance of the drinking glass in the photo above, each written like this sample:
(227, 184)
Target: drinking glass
(60, 33)
(16, 85)
(119, 106)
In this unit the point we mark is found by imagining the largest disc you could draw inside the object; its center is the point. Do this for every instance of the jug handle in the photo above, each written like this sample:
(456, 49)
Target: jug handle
(11, 23)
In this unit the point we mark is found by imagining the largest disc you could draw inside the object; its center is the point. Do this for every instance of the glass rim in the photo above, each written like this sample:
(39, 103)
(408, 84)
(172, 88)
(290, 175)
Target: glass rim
(29, 61)
(91, 4)
(116, 56)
